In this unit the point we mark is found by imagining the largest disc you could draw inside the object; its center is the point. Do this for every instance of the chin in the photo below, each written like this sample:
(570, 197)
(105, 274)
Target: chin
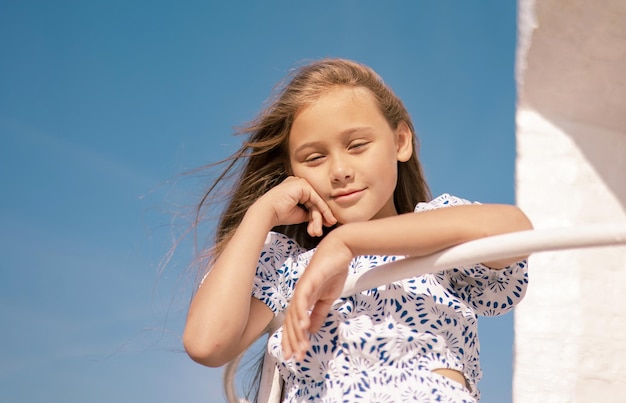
(352, 218)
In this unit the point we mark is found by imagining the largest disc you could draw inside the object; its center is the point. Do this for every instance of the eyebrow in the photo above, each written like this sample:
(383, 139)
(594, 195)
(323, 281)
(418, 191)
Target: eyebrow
(344, 133)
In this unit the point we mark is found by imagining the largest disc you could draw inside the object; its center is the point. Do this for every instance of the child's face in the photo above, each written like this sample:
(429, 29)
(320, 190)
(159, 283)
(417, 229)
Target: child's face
(344, 147)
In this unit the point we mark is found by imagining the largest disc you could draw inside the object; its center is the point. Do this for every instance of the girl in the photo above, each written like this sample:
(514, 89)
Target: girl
(329, 185)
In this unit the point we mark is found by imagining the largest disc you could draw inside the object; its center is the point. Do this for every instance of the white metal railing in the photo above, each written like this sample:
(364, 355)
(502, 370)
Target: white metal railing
(481, 250)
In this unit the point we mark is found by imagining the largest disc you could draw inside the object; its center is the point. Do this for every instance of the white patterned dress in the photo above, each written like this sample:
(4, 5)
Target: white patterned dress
(381, 345)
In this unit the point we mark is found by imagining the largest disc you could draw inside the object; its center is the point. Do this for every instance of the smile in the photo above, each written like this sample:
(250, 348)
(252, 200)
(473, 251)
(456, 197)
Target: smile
(348, 197)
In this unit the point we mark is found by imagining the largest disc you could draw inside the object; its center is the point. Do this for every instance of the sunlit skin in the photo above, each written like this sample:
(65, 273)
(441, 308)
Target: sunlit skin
(343, 159)
(344, 147)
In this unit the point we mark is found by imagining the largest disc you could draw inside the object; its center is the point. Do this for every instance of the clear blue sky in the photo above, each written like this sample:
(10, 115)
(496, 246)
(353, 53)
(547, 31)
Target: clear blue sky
(104, 104)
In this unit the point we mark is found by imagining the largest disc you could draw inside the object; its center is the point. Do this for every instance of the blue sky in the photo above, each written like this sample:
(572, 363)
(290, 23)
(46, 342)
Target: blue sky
(104, 104)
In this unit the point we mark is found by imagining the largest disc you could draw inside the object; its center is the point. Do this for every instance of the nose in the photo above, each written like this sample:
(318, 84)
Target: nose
(341, 170)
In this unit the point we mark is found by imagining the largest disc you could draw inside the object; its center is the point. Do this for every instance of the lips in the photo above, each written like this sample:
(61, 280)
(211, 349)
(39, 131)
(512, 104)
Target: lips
(347, 196)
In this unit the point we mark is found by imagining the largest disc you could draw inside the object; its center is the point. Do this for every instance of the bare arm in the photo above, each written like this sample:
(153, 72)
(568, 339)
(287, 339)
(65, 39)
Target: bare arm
(413, 234)
(224, 319)
(420, 234)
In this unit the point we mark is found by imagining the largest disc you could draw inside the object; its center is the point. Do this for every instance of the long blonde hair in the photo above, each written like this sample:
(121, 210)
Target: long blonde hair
(262, 160)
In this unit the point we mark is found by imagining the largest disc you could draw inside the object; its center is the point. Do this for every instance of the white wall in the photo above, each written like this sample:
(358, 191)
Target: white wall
(570, 330)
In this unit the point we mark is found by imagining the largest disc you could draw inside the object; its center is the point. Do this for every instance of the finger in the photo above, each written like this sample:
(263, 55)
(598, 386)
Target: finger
(302, 345)
(288, 344)
(295, 328)
(290, 333)
(315, 200)
(311, 230)
(287, 350)
(314, 228)
(327, 217)
(298, 339)
(318, 315)
(301, 321)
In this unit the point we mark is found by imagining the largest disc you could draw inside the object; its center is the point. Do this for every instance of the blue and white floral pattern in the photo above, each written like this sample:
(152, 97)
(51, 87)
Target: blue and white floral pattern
(382, 344)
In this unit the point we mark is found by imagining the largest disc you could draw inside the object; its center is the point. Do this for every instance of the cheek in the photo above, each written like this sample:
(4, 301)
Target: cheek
(312, 176)
(295, 171)
(386, 164)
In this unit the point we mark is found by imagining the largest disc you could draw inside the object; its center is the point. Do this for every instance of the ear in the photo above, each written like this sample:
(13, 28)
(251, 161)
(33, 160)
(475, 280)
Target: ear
(404, 142)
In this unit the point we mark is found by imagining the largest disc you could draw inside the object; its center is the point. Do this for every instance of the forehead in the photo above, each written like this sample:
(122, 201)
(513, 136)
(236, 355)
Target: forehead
(336, 111)
(341, 96)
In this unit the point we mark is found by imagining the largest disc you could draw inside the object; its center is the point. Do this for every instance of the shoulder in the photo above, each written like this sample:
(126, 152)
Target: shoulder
(280, 264)
(279, 245)
(279, 249)
(278, 240)
(444, 200)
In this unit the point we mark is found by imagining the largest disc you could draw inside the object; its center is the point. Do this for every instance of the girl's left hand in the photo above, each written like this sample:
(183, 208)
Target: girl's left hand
(318, 288)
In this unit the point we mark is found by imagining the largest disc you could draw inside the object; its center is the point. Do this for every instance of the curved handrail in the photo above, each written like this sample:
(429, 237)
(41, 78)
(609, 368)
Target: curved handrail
(481, 250)
(491, 248)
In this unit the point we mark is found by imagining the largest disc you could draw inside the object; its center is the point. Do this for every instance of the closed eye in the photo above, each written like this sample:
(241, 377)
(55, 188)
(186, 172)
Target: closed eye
(358, 146)
(313, 158)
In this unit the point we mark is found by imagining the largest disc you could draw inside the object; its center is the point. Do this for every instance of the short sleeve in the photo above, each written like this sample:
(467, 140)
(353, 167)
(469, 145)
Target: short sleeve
(489, 291)
(276, 272)
(445, 200)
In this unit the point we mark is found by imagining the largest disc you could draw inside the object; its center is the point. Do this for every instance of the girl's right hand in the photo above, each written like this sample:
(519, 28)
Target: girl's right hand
(295, 201)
